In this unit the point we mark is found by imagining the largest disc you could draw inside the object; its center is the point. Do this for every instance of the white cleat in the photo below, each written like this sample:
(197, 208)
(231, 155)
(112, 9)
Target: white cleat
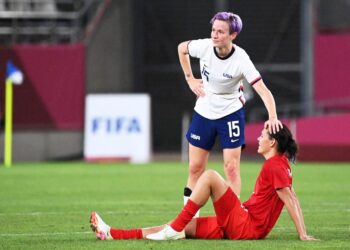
(167, 233)
(100, 228)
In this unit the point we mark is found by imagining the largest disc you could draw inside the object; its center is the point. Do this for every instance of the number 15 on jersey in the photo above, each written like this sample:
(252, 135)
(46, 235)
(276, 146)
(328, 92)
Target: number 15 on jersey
(233, 129)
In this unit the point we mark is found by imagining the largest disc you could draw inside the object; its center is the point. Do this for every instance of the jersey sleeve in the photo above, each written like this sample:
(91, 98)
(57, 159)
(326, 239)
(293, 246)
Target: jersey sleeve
(197, 48)
(250, 73)
(280, 177)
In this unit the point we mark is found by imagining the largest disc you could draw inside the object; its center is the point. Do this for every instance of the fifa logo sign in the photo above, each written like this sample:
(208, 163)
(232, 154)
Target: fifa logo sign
(115, 125)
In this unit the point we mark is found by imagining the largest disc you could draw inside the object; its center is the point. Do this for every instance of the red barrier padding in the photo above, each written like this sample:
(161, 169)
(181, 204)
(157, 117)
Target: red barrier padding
(332, 77)
(322, 138)
(52, 95)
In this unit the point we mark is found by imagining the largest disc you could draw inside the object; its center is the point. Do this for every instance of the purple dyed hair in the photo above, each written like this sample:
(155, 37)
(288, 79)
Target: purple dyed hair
(233, 20)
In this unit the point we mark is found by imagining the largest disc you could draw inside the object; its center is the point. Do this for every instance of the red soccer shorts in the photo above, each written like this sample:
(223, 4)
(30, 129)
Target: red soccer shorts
(232, 221)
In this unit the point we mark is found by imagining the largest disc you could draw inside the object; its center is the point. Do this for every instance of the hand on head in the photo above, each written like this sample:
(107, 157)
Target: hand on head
(273, 125)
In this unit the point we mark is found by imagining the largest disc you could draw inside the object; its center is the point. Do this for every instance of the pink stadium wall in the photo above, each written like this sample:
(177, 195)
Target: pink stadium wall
(332, 66)
(52, 95)
(324, 138)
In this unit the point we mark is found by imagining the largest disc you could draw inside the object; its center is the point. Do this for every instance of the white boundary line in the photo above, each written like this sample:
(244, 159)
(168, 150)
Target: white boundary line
(287, 230)
(86, 213)
(345, 228)
(44, 234)
(143, 212)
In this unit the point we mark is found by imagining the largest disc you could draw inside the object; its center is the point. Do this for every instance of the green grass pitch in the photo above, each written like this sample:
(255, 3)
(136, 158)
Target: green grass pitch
(47, 205)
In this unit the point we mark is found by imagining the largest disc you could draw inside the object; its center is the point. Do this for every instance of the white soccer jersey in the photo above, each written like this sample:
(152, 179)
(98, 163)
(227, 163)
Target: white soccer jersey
(222, 78)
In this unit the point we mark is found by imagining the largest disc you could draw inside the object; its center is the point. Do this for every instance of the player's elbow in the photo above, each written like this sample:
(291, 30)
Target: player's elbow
(182, 48)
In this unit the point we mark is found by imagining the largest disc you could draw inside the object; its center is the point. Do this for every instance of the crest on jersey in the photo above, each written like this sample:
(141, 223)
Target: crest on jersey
(205, 72)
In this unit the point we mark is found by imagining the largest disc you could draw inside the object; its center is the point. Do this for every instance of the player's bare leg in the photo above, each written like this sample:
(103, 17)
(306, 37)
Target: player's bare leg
(232, 158)
(210, 184)
(198, 159)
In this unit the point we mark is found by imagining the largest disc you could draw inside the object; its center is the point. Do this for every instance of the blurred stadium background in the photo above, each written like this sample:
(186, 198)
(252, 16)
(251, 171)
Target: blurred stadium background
(70, 48)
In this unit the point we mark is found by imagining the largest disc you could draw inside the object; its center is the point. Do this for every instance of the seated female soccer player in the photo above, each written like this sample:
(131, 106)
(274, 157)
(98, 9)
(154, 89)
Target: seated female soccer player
(234, 220)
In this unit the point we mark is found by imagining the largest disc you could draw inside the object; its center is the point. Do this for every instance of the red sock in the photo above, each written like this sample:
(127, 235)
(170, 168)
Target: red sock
(120, 234)
(185, 216)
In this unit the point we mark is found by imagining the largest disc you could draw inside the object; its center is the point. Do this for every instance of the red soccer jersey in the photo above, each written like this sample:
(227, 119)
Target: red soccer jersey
(264, 205)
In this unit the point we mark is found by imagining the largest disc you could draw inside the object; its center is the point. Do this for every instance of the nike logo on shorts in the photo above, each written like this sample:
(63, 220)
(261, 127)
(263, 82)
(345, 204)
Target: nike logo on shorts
(234, 140)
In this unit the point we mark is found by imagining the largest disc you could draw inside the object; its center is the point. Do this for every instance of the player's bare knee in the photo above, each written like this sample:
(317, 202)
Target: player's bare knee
(195, 169)
(232, 168)
(211, 175)
(232, 164)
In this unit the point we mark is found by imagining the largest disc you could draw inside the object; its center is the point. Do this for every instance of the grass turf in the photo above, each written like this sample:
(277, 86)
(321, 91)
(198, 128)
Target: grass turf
(47, 205)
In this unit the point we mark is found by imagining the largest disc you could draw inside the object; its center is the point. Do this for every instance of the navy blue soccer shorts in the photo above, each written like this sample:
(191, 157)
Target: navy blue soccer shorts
(230, 129)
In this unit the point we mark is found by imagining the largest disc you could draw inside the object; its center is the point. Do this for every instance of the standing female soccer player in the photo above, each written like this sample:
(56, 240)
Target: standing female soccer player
(253, 219)
(219, 107)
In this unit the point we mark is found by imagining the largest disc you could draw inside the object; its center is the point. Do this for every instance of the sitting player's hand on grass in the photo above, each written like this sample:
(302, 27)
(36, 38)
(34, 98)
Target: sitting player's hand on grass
(307, 237)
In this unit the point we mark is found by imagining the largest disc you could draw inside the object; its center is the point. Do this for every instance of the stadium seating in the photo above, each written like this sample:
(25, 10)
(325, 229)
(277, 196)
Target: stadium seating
(44, 21)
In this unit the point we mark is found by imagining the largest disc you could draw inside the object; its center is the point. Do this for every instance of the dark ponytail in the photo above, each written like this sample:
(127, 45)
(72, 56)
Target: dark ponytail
(286, 143)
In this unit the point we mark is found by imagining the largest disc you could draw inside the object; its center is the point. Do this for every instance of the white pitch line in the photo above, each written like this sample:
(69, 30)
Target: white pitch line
(323, 228)
(37, 213)
(43, 234)
(285, 229)
(87, 213)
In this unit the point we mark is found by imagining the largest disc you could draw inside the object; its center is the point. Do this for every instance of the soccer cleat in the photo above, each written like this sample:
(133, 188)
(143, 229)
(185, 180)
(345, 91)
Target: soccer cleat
(167, 233)
(100, 228)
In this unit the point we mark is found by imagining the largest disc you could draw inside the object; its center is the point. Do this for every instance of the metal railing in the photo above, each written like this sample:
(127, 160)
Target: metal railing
(42, 21)
(295, 110)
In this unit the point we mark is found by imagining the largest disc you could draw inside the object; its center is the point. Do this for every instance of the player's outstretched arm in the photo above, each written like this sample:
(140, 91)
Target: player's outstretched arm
(290, 200)
(272, 124)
